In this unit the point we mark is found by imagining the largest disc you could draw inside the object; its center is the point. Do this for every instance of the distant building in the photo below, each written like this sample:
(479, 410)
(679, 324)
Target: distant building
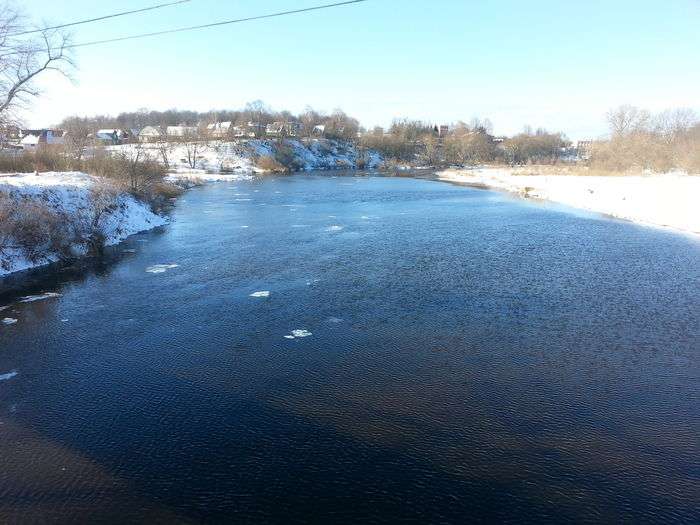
(282, 129)
(584, 149)
(180, 131)
(219, 130)
(33, 138)
(319, 130)
(150, 134)
(112, 136)
(441, 131)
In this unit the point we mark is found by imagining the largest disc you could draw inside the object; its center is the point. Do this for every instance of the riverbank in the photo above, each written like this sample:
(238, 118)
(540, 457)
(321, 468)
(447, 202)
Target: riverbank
(668, 200)
(55, 215)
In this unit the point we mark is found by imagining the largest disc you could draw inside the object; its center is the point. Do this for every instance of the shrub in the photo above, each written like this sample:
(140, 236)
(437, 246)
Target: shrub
(268, 163)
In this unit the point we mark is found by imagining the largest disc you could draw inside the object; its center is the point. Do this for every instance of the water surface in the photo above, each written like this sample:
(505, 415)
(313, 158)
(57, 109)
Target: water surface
(471, 355)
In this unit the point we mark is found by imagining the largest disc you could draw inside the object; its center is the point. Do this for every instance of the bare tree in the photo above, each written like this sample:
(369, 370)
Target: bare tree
(24, 57)
(627, 119)
(78, 136)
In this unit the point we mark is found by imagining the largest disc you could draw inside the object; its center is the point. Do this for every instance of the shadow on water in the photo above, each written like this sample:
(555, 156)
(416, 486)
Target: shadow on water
(54, 277)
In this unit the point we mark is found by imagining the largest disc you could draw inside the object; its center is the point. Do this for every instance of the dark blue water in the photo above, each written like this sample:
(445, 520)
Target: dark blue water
(473, 357)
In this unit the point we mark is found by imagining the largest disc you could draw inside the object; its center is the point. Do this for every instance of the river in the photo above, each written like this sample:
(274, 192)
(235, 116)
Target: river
(426, 353)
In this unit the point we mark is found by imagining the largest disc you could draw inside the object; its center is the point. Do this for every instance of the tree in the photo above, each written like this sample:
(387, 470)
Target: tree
(78, 136)
(627, 119)
(24, 57)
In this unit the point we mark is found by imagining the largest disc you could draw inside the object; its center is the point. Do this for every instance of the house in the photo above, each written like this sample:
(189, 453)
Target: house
(33, 138)
(282, 129)
(180, 131)
(319, 130)
(112, 136)
(219, 129)
(443, 130)
(150, 134)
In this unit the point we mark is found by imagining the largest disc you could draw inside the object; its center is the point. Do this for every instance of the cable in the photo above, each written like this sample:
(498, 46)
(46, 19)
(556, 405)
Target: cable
(89, 20)
(214, 24)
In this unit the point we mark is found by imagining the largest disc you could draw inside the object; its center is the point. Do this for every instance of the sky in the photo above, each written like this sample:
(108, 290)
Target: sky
(555, 64)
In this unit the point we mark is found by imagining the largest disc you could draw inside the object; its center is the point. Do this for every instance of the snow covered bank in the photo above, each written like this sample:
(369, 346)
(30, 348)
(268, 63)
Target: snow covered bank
(81, 204)
(668, 200)
(230, 160)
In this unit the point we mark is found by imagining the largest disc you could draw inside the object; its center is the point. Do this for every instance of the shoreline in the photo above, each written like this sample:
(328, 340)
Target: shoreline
(667, 201)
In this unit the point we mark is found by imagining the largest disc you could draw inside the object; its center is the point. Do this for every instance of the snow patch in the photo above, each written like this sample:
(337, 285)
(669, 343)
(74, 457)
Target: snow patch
(40, 297)
(8, 375)
(161, 268)
(298, 334)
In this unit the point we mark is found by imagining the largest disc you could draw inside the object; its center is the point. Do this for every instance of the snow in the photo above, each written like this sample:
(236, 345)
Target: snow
(40, 297)
(667, 200)
(161, 268)
(70, 193)
(298, 334)
(222, 161)
(8, 375)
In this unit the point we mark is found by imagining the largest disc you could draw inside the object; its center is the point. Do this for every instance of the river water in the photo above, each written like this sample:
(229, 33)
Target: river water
(427, 353)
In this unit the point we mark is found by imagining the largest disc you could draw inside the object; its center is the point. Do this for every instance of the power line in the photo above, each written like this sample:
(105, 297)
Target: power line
(213, 24)
(99, 18)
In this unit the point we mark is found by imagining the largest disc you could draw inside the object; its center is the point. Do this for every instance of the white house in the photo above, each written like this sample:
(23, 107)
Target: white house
(282, 129)
(180, 131)
(219, 129)
(319, 130)
(150, 134)
(31, 138)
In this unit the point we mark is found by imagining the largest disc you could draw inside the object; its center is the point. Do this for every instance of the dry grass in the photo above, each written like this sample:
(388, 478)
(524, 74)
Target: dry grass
(269, 163)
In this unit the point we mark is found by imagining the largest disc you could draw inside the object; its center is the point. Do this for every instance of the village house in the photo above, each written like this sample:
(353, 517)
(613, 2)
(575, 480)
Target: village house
(282, 129)
(180, 131)
(319, 130)
(112, 136)
(33, 138)
(150, 134)
(219, 130)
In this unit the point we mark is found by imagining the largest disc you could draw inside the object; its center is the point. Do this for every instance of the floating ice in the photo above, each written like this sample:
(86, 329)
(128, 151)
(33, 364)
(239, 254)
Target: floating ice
(300, 226)
(9, 375)
(130, 250)
(334, 228)
(365, 217)
(264, 293)
(40, 297)
(298, 334)
(335, 320)
(3, 308)
(161, 268)
(9, 320)
(244, 227)
(242, 200)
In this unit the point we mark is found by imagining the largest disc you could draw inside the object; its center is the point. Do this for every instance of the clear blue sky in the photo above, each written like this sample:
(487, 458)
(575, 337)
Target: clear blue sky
(556, 64)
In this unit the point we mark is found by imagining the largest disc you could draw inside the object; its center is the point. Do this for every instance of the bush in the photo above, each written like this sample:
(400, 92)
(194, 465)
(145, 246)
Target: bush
(268, 163)
(34, 229)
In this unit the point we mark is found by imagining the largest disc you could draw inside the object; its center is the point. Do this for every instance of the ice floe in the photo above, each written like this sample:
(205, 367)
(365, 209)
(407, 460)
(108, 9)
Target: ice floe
(334, 228)
(8, 375)
(39, 297)
(263, 293)
(335, 320)
(9, 320)
(298, 334)
(161, 268)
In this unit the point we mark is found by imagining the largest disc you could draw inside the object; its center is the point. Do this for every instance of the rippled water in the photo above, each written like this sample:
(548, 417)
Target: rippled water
(425, 352)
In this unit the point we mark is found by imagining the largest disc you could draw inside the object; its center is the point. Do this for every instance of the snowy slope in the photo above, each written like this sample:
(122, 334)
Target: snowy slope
(231, 158)
(70, 194)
